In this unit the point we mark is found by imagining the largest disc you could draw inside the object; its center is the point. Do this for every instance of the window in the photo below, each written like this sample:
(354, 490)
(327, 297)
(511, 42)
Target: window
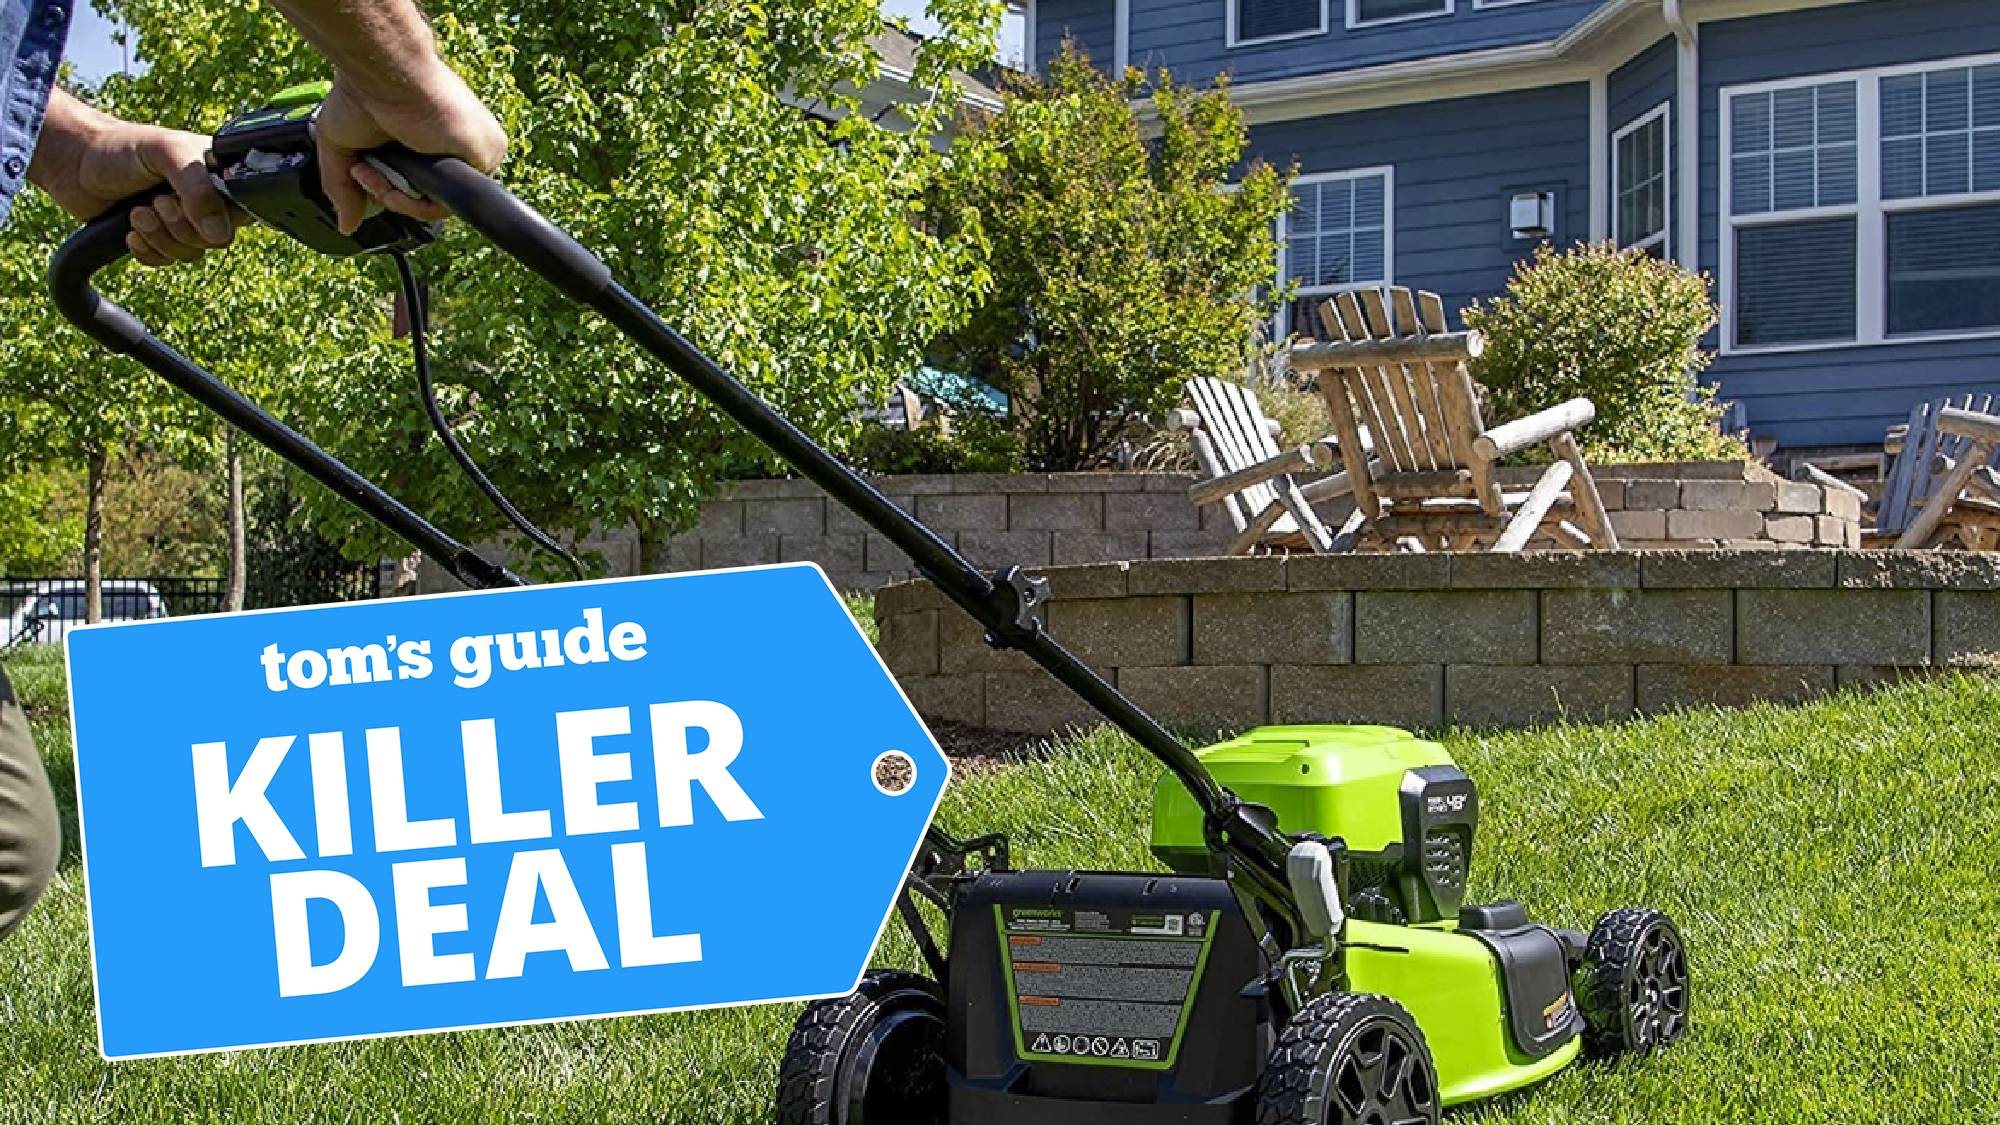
(1818, 250)
(1264, 21)
(1338, 236)
(1640, 183)
(1366, 13)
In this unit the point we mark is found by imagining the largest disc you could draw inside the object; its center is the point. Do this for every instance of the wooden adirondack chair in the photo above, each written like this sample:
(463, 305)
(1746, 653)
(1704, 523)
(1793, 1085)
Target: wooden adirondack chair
(1250, 476)
(1942, 483)
(1390, 365)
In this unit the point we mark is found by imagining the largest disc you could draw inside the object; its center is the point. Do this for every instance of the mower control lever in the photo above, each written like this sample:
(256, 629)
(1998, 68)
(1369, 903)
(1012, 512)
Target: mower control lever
(1315, 883)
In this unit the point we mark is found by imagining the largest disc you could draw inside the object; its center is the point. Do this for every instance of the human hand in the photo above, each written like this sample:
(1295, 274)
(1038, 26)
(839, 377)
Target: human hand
(87, 161)
(433, 112)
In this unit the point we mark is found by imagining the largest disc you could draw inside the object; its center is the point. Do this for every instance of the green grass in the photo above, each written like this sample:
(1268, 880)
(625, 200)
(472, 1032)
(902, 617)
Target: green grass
(1833, 867)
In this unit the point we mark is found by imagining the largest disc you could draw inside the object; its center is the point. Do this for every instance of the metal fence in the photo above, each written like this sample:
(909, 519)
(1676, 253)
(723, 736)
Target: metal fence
(44, 610)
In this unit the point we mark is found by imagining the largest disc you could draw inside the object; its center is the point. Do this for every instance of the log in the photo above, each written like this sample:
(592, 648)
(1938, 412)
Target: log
(1301, 460)
(1813, 474)
(1347, 429)
(1570, 535)
(1918, 535)
(1254, 533)
(1419, 486)
(1589, 504)
(1331, 488)
(1444, 347)
(1533, 430)
(1986, 483)
(1535, 509)
(1349, 533)
(1870, 463)
(1981, 428)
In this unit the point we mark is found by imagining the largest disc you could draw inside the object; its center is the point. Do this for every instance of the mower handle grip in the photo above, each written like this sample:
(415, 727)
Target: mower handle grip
(472, 195)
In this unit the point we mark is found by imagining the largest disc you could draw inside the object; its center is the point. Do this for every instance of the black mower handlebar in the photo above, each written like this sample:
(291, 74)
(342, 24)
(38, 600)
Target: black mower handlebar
(1005, 604)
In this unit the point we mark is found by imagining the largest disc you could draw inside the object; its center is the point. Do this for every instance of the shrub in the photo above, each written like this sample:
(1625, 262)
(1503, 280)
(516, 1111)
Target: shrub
(1618, 328)
(976, 443)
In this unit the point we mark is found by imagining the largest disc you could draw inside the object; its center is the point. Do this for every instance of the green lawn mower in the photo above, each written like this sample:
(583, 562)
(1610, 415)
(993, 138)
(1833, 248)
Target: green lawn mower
(1365, 991)
(1305, 957)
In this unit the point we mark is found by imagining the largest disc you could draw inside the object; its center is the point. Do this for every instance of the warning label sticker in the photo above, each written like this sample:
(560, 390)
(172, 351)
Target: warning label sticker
(1109, 985)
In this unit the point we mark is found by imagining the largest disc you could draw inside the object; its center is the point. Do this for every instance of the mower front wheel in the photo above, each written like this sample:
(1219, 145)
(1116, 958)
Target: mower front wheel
(875, 1057)
(1349, 1058)
(1634, 984)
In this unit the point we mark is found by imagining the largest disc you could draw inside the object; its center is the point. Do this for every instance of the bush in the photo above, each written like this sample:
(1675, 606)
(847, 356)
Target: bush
(976, 443)
(1615, 327)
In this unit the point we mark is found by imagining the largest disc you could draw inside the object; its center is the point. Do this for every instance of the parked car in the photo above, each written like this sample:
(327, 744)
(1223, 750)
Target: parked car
(45, 616)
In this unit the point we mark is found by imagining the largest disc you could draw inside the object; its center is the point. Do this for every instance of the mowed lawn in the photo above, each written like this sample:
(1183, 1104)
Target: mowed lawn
(1834, 867)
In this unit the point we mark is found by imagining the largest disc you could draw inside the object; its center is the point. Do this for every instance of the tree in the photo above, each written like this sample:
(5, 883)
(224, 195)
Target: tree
(67, 402)
(1124, 264)
(261, 316)
(670, 137)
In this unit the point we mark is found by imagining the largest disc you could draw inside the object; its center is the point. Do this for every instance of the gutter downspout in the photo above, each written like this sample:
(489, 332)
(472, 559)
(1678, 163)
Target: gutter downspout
(1121, 31)
(1687, 115)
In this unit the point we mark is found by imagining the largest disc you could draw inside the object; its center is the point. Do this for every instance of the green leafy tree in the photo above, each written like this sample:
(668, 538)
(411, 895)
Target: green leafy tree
(1618, 328)
(705, 149)
(67, 402)
(1126, 259)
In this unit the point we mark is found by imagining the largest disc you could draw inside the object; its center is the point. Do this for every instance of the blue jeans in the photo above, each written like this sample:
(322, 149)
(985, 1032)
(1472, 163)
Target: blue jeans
(32, 33)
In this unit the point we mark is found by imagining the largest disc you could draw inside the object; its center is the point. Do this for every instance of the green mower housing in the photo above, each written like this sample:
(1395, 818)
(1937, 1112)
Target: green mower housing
(1407, 815)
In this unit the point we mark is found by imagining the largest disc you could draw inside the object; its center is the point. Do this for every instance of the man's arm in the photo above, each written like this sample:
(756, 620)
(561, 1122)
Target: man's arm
(389, 85)
(88, 160)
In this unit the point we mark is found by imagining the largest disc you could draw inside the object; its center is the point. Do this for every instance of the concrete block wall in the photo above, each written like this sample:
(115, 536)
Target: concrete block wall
(1064, 519)
(1426, 641)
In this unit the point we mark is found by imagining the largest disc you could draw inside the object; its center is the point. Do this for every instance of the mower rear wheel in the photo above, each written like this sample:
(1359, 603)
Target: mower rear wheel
(873, 1058)
(1349, 1058)
(1634, 984)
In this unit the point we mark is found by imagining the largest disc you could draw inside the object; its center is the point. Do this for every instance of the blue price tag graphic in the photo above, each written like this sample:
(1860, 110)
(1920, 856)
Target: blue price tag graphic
(493, 808)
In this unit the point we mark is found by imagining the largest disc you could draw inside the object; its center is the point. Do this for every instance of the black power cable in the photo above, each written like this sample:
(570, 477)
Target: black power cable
(413, 297)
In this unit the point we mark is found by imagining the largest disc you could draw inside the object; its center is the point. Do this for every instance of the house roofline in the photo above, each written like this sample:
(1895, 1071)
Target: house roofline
(1597, 43)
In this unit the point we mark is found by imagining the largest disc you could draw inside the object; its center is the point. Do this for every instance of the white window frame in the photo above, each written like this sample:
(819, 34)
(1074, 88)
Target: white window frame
(1664, 114)
(1388, 173)
(1354, 19)
(1482, 5)
(1231, 42)
(1870, 212)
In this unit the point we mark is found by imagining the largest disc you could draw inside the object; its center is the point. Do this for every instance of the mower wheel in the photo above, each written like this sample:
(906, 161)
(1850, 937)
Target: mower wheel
(1349, 1058)
(875, 1057)
(1634, 984)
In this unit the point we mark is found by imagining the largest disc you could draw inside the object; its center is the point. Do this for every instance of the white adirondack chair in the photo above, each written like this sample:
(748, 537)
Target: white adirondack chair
(1251, 477)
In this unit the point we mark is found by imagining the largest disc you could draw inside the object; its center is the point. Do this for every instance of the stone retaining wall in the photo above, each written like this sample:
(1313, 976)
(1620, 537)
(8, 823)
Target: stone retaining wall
(1075, 518)
(1481, 640)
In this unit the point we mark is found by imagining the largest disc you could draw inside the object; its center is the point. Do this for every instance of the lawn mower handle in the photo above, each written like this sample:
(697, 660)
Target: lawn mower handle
(1003, 603)
(101, 244)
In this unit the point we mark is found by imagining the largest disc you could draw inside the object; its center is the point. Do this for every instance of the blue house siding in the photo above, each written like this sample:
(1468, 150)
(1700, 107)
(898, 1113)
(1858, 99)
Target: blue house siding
(1456, 165)
(1637, 88)
(1190, 37)
(1845, 395)
(1092, 23)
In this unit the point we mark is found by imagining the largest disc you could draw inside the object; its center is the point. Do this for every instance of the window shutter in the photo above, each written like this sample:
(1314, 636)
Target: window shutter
(1944, 270)
(1795, 282)
(1370, 11)
(1263, 19)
